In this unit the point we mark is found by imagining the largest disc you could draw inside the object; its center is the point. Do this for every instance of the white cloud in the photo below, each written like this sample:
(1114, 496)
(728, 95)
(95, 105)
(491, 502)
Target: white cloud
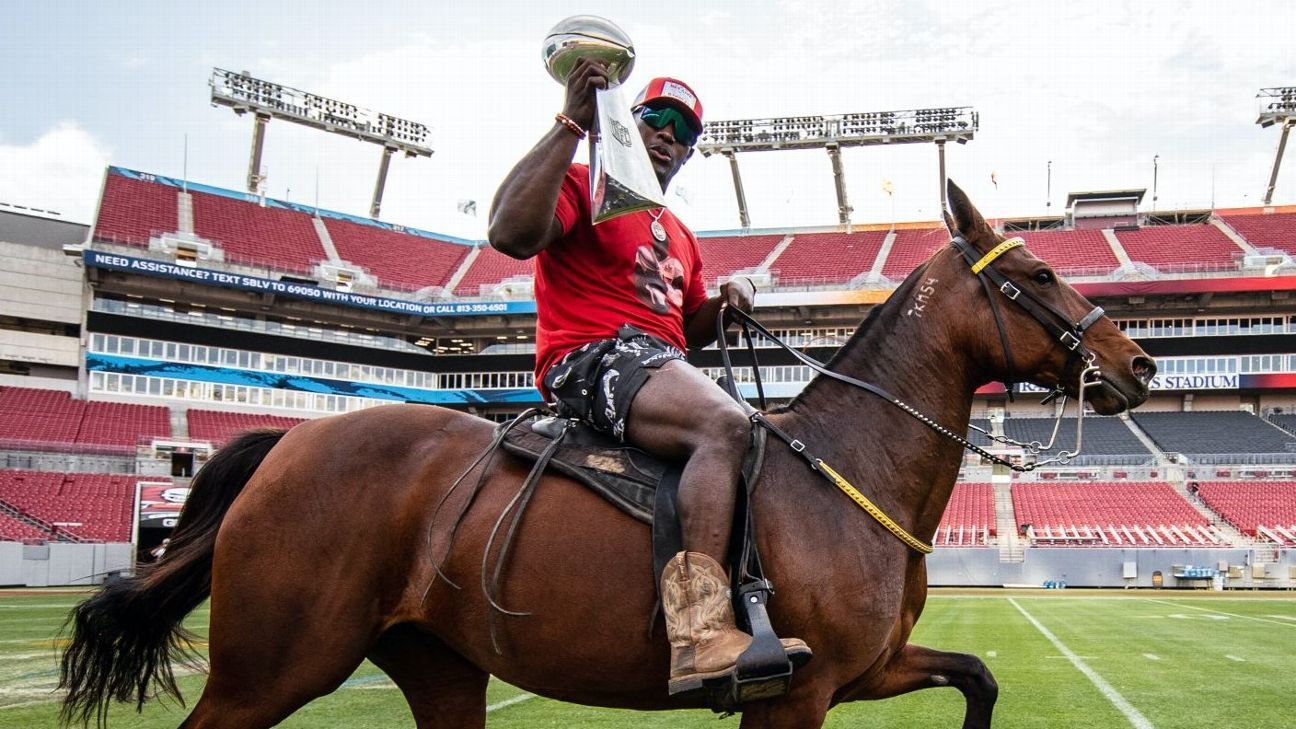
(61, 170)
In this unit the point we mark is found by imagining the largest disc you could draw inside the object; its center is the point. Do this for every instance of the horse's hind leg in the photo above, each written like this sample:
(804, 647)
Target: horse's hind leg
(277, 646)
(443, 690)
(916, 667)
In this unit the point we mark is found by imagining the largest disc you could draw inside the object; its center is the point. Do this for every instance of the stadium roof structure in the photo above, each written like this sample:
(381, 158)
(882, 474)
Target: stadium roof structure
(16, 227)
(1135, 194)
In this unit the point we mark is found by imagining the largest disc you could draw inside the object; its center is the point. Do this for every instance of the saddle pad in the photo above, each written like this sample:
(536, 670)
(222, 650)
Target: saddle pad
(623, 475)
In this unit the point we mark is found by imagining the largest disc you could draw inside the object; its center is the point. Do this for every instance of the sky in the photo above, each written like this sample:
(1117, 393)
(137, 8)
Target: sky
(1098, 89)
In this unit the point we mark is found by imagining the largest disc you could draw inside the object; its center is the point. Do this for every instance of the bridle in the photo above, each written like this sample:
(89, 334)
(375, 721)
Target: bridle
(1069, 334)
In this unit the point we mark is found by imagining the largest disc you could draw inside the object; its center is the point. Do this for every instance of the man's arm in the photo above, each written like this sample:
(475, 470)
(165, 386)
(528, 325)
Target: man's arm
(522, 219)
(700, 328)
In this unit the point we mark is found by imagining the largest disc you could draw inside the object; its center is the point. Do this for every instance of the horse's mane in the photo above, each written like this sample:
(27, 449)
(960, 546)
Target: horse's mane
(885, 310)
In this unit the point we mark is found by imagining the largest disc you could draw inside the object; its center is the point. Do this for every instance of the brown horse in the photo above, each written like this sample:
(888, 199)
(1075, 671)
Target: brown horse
(320, 547)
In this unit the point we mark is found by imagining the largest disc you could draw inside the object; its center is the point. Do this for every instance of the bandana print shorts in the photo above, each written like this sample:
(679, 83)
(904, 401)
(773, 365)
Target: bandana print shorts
(597, 383)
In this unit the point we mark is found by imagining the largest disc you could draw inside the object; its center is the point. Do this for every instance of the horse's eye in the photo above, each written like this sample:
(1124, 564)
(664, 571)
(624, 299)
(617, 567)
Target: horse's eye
(1043, 278)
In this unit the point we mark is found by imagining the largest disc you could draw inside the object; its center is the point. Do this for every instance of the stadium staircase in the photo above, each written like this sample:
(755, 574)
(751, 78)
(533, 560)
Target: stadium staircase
(180, 423)
(40, 525)
(1161, 458)
(1225, 529)
(1011, 546)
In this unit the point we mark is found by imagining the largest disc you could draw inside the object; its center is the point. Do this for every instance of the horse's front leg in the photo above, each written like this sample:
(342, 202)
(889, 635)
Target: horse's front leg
(916, 667)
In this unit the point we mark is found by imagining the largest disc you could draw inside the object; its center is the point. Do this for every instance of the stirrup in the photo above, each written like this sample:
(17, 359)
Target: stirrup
(764, 670)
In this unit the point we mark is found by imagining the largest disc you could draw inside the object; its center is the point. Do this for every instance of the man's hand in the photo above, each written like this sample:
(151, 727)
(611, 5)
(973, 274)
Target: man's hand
(740, 294)
(586, 77)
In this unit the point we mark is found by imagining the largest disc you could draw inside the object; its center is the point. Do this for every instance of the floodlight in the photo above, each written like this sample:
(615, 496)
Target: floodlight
(1277, 106)
(268, 100)
(831, 133)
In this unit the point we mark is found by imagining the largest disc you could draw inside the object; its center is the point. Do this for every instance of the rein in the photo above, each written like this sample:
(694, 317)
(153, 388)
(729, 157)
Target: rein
(1069, 336)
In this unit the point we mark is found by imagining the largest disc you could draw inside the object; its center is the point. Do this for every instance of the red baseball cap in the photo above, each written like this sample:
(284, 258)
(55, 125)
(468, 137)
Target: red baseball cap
(676, 93)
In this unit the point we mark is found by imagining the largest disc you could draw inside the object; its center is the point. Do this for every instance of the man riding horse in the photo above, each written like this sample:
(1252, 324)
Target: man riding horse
(617, 305)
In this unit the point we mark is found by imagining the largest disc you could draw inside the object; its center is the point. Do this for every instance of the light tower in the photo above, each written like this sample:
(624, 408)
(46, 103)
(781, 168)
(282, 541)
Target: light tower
(832, 133)
(267, 100)
(1277, 106)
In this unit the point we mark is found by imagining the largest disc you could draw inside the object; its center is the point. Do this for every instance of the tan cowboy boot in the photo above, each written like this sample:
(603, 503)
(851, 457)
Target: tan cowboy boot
(705, 642)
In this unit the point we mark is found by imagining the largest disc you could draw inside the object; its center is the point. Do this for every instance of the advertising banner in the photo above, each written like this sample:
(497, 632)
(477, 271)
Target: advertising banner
(307, 292)
(160, 504)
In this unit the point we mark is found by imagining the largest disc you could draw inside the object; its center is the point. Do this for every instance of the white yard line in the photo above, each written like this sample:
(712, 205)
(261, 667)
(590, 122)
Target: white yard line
(509, 702)
(1152, 656)
(1231, 615)
(1135, 717)
(1235, 658)
(21, 704)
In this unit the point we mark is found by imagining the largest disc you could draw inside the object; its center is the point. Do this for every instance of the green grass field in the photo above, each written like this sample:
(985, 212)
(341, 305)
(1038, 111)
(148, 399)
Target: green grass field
(1116, 659)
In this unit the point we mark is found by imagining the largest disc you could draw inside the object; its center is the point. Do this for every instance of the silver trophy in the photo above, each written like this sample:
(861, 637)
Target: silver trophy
(622, 179)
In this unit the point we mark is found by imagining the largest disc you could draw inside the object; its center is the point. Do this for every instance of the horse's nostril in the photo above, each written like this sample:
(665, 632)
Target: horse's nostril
(1144, 368)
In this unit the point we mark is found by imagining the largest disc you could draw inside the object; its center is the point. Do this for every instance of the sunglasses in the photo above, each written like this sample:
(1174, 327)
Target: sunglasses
(659, 118)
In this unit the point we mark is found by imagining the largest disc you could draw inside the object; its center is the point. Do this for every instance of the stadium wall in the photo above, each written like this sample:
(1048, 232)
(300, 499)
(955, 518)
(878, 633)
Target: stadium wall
(58, 563)
(1102, 567)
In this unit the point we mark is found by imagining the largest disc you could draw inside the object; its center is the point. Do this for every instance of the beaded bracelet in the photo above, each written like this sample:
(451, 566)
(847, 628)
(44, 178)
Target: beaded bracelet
(572, 126)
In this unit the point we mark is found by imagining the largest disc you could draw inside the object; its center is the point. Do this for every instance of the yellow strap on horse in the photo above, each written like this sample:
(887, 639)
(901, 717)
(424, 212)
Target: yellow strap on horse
(998, 250)
(868, 506)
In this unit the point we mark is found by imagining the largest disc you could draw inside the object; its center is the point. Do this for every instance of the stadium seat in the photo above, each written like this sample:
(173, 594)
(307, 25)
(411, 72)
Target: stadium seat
(399, 260)
(1171, 248)
(722, 256)
(969, 518)
(218, 427)
(254, 235)
(490, 268)
(1137, 514)
(815, 259)
(910, 249)
(131, 211)
(1277, 231)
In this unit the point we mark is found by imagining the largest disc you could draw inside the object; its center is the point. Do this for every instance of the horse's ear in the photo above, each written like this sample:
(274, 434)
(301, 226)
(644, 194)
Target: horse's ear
(967, 220)
(950, 225)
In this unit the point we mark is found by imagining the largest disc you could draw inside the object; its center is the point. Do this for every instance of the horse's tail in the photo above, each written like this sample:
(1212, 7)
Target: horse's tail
(125, 636)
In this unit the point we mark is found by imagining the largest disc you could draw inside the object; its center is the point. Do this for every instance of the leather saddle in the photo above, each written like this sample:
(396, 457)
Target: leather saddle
(624, 475)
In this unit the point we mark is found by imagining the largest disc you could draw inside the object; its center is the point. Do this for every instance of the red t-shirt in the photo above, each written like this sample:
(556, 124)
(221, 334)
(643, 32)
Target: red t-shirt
(597, 277)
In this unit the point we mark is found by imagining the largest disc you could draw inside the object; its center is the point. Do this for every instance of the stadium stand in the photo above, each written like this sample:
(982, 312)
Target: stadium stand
(911, 248)
(1276, 231)
(969, 518)
(827, 258)
(1262, 509)
(1071, 251)
(1286, 421)
(1109, 514)
(491, 267)
(242, 230)
(725, 255)
(1106, 440)
(123, 424)
(217, 427)
(132, 211)
(89, 506)
(978, 438)
(13, 529)
(37, 418)
(1180, 247)
(1210, 437)
(397, 259)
